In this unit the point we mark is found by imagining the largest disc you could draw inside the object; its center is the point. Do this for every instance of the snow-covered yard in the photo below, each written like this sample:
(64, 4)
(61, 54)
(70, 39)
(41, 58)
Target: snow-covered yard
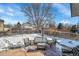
(14, 39)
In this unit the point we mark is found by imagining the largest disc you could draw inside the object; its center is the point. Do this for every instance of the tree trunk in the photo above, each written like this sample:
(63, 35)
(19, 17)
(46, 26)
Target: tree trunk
(42, 32)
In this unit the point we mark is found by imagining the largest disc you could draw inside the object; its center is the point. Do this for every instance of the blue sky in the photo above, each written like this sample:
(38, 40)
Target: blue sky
(11, 14)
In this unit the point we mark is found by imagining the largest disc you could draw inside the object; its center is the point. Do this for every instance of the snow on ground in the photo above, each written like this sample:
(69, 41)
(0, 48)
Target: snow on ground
(14, 39)
(18, 38)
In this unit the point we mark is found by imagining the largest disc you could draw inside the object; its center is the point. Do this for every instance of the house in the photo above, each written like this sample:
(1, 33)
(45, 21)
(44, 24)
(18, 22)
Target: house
(1, 25)
(27, 28)
(16, 28)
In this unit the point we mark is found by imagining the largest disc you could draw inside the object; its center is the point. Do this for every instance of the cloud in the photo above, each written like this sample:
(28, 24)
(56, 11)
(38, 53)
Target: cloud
(9, 20)
(64, 21)
(10, 14)
(62, 9)
(1, 10)
(10, 9)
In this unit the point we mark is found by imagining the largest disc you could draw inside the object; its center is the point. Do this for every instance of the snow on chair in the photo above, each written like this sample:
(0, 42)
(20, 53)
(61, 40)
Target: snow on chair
(41, 42)
(28, 46)
(26, 42)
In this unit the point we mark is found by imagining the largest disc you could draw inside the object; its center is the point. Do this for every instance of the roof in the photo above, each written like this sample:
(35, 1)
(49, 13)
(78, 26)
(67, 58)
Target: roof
(1, 20)
(74, 9)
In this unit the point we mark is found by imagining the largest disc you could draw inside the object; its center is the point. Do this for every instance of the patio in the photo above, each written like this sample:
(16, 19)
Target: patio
(21, 52)
(24, 45)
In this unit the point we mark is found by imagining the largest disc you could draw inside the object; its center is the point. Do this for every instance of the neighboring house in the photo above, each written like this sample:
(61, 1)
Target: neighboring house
(7, 28)
(1, 25)
(4, 28)
(16, 28)
(22, 28)
(27, 28)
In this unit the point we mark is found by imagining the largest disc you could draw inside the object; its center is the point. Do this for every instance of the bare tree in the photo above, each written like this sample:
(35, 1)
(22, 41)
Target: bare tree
(38, 14)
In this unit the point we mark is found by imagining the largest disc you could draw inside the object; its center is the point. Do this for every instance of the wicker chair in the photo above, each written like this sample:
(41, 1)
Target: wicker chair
(41, 42)
(27, 45)
(26, 42)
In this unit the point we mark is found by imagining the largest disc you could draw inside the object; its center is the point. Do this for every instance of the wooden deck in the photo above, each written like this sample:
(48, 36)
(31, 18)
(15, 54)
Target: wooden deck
(53, 51)
(20, 52)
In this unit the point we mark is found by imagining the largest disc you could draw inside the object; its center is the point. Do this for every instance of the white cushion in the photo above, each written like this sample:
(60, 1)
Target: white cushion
(44, 44)
(40, 40)
(30, 48)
